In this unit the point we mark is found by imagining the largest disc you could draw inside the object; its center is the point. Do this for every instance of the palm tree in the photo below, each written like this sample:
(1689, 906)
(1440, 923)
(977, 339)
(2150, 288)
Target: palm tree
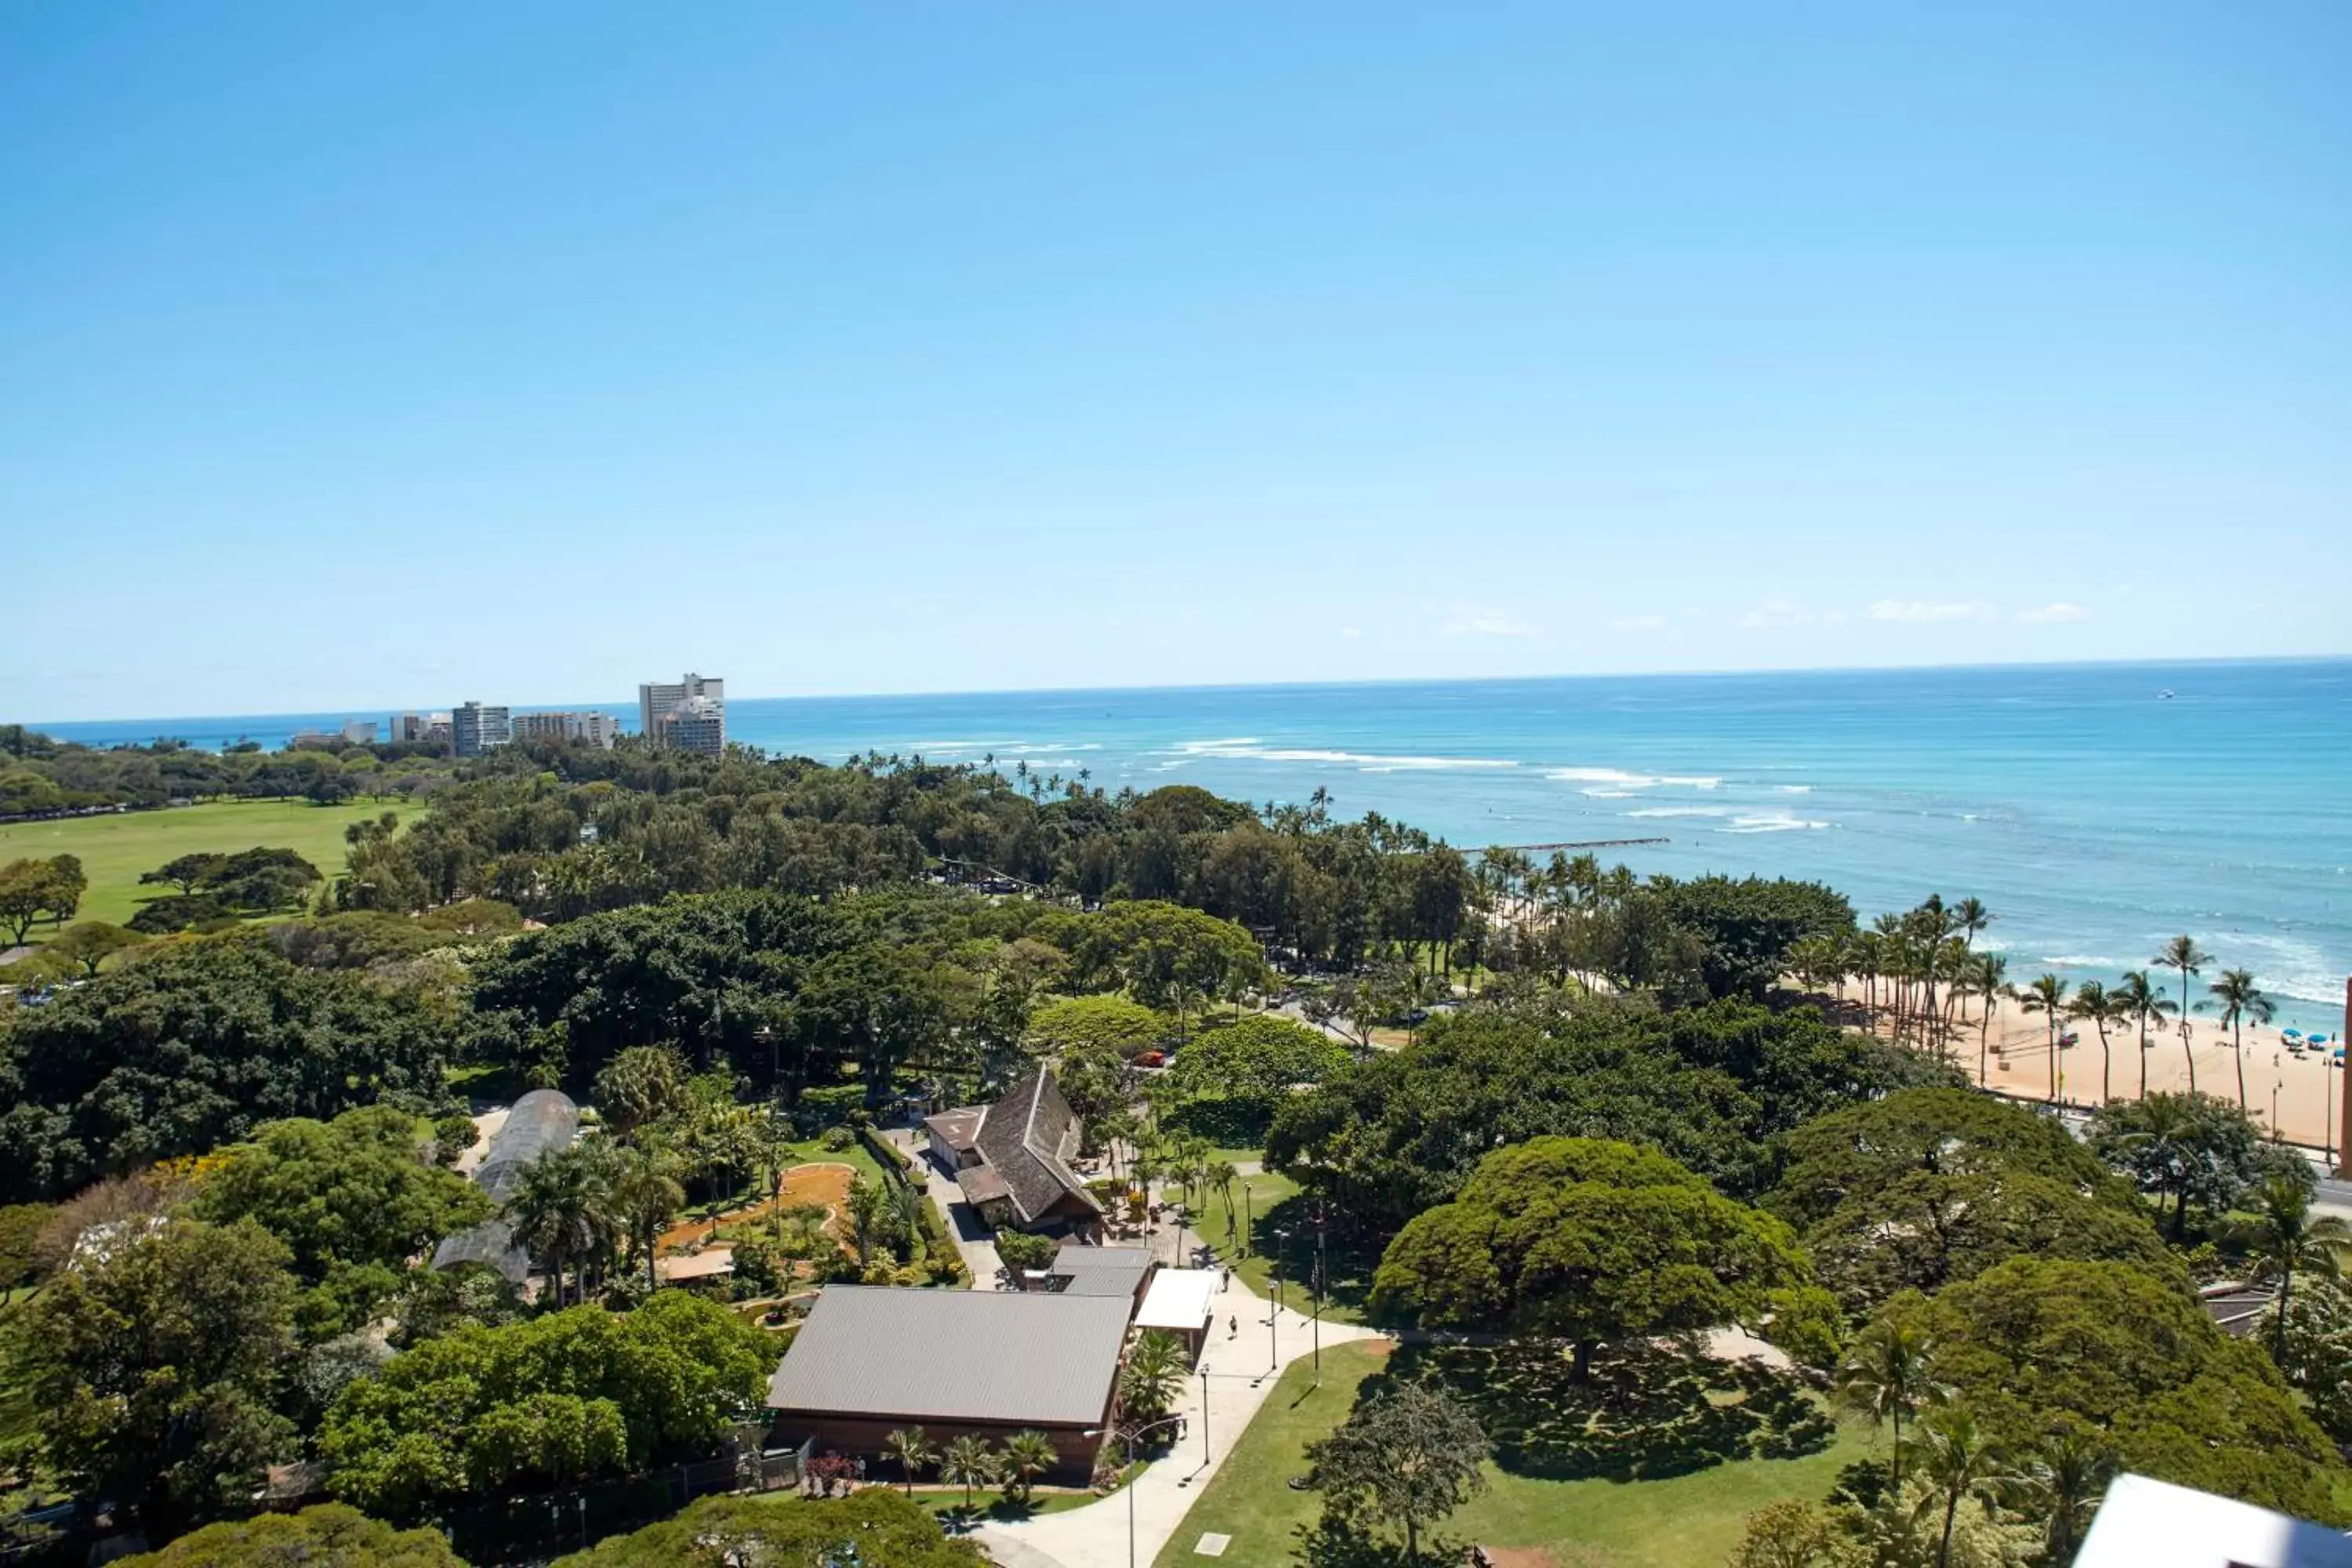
(1887, 1377)
(560, 1212)
(2047, 996)
(1222, 1175)
(2139, 999)
(868, 1207)
(644, 1193)
(2183, 954)
(912, 1449)
(967, 1462)
(1989, 973)
(2240, 999)
(1025, 1454)
(2291, 1240)
(1959, 1462)
(2067, 1475)
(1970, 917)
(1155, 1371)
(2095, 1005)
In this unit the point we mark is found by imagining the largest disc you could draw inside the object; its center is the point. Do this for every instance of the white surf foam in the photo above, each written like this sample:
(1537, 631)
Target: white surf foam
(1248, 748)
(1683, 811)
(1773, 824)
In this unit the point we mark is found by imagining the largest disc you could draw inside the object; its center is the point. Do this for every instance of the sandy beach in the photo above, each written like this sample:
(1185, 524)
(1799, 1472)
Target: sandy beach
(2016, 1061)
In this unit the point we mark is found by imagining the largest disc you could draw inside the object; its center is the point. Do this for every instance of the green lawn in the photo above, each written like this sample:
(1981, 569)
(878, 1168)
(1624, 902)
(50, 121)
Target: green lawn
(1269, 1201)
(1683, 1522)
(114, 850)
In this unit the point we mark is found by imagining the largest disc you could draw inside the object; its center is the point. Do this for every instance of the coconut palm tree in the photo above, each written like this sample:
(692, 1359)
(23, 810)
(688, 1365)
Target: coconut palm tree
(560, 1212)
(1154, 1371)
(2066, 1477)
(2292, 1240)
(1887, 1377)
(645, 1193)
(2183, 954)
(2047, 996)
(1959, 1460)
(869, 1211)
(1026, 1453)
(1988, 976)
(1970, 917)
(2240, 999)
(968, 1462)
(912, 1449)
(2140, 1000)
(2095, 1005)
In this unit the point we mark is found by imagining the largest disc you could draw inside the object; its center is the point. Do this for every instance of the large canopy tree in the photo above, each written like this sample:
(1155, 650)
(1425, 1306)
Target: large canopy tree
(1587, 1240)
(193, 1048)
(2035, 1344)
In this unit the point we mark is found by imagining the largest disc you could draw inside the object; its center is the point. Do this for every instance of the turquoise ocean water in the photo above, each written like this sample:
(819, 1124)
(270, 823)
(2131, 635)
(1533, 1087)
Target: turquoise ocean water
(2093, 814)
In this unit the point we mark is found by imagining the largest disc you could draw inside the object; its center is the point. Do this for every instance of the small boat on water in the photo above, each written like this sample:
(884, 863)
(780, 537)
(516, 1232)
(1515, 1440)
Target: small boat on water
(2164, 694)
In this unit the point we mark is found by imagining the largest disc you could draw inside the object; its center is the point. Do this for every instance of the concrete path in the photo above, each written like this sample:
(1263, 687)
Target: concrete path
(1238, 1381)
(971, 1237)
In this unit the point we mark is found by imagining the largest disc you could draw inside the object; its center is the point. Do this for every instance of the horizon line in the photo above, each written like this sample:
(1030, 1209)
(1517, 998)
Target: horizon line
(356, 710)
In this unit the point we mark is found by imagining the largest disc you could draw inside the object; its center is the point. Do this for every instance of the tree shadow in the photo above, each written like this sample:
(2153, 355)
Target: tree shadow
(1351, 1252)
(1648, 1411)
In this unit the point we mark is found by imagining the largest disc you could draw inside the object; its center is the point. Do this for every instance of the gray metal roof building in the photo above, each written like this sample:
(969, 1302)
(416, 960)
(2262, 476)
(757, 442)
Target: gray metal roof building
(540, 1123)
(1003, 1358)
(1102, 1271)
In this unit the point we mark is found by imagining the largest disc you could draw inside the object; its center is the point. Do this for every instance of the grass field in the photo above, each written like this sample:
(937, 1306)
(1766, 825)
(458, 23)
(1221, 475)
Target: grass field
(114, 850)
(1684, 1521)
(1264, 1201)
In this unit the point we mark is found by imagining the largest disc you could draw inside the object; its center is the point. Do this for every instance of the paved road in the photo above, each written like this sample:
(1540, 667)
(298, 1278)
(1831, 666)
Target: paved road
(971, 1237)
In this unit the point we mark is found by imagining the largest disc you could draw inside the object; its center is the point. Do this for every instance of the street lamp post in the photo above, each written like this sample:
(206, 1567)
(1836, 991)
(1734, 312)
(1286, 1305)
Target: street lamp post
(1319, 1287)
(2330, 1066)
(1204, 1416)
(1127, 1434)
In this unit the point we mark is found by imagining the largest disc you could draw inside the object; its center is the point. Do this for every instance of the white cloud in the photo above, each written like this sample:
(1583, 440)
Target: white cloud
(1638, 623)
(1352, 632)
(1486, 622)
(2060, 611)
(1776, 612)
(1926, 610)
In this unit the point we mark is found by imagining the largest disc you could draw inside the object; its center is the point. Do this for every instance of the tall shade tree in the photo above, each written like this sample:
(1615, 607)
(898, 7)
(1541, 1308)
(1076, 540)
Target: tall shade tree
(2290, 1240)
(1405, 1457)
(2047, 996)
(156, 1362)
(1886, 1377)
(2240, 999)
(1589, 1241)
(2195, 1149)
(2183, 954)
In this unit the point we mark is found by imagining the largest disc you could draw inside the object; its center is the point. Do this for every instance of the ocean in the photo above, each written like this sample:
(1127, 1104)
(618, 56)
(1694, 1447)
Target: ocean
(2097, 809)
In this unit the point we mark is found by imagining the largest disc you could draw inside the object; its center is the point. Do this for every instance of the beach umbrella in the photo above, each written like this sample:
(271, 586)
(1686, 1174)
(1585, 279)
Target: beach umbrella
(2291, 1034)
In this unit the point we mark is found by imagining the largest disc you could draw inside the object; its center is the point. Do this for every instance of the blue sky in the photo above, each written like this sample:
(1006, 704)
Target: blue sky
(350, 358)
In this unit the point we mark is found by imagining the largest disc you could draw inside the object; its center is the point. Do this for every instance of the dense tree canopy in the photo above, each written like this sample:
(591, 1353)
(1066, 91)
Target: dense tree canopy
(2033, 1343)
(331, 1535)
(546, 1401)
(1257, 1062)
(887, 1532)
(1101, 1022)
(156, 1356)
(352, 1200)
(1928, 1187)
(2194, 1150)
(191, 1048)
(1390, 1137)
(1587, 1240)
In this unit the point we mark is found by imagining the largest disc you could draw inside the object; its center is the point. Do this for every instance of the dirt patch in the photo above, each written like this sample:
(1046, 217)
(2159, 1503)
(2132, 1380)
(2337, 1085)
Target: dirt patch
(827, 1185)
(1521, 1557)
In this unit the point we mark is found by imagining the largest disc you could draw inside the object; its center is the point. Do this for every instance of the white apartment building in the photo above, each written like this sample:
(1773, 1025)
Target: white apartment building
(596, 728)
(689, 715)
(475, 729)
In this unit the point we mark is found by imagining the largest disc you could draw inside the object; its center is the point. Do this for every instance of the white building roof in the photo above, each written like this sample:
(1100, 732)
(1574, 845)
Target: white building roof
(2154, 1524)
(1179, 1299)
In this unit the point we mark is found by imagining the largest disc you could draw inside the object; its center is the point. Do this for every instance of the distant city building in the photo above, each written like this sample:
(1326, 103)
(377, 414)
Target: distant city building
(475, 729)
(360, 731)
(596, 728)
(416, 729)
(688, 716)
(310, 740)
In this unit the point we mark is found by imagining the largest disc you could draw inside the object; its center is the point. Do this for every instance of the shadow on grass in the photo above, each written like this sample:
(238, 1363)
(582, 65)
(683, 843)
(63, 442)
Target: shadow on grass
(1350, 1255)
(1647, 1413)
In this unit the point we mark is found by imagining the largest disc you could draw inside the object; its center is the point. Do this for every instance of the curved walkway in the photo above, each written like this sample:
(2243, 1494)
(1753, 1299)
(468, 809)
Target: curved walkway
(1241, 1368)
